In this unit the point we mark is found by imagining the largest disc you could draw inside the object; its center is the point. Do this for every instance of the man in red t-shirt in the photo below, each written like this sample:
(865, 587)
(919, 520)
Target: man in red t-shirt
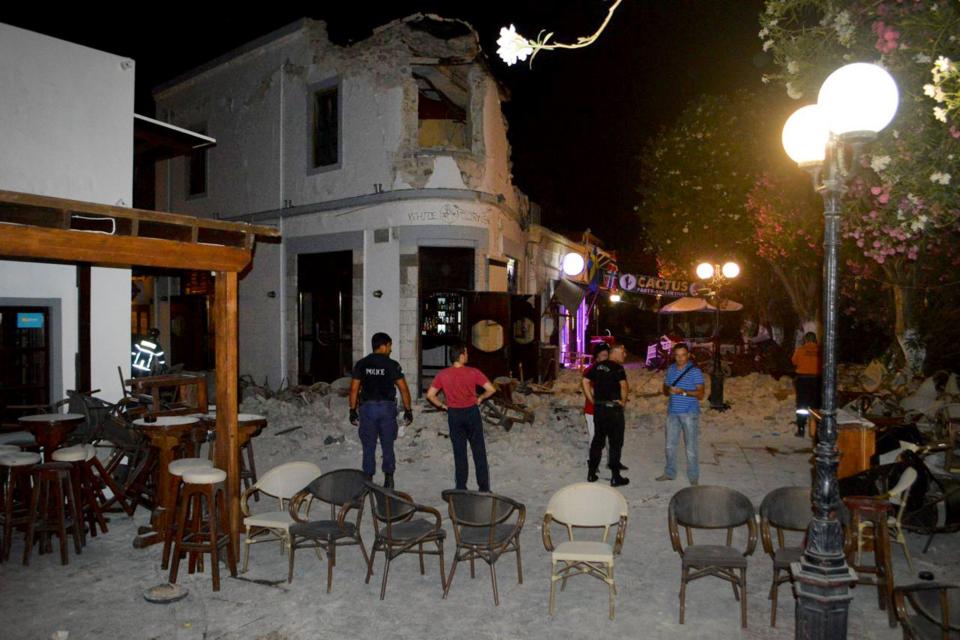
(459, 386)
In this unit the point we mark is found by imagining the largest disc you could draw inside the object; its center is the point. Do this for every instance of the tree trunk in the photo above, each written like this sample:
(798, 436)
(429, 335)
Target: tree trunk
(905, 327)
(803, 290)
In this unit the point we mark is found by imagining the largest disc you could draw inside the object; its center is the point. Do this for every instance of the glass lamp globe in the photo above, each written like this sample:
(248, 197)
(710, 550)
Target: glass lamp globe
(859, 98)
(614, 297)
(704, 270)
(730, 270)
(805, 136)
(573, 264)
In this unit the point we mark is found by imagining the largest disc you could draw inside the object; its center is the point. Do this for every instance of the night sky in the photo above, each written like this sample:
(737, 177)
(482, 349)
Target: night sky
(578, 119)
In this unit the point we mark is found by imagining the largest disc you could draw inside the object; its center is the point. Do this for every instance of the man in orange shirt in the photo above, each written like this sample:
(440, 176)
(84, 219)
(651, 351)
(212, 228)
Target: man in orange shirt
(806, 358)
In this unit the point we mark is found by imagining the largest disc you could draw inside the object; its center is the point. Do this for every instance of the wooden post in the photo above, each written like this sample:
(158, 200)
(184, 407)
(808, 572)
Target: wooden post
(227, 450)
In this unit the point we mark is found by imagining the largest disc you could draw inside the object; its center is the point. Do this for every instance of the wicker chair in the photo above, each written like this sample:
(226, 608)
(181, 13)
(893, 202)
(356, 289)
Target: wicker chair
(784, 509)
(398, 531)
(934, 614)
(282, 482)
(581, 506)
(343, 489)
(708, 507)
(481, 530)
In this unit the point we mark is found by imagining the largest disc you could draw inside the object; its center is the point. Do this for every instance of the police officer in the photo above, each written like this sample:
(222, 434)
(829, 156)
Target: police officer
(608, 391)
(373, 405)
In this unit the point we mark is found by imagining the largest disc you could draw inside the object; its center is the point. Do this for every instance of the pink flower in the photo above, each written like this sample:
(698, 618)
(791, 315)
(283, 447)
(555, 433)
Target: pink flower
(955, 132)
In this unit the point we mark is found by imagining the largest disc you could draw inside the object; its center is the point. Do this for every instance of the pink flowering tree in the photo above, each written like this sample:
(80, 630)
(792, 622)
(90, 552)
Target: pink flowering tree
(788, 232)
(902, 212)
(717, 186)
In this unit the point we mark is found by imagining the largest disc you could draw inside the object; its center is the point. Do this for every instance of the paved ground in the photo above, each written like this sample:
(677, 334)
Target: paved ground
(99, 594)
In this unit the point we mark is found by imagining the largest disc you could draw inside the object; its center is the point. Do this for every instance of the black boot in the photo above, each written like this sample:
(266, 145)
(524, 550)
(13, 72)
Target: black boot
(592, 475)
(618, 480)
(388, 481)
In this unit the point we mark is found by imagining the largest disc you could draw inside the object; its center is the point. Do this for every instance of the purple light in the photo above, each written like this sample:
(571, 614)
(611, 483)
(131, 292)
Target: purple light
(582, 327)
(564, 318)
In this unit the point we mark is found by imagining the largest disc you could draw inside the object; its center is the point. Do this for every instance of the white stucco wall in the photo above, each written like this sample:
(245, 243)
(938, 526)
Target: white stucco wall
(262, 316)
(66, 125)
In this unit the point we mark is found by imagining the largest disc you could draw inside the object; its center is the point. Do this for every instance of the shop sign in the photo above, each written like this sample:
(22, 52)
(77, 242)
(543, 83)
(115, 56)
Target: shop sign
(655, 286)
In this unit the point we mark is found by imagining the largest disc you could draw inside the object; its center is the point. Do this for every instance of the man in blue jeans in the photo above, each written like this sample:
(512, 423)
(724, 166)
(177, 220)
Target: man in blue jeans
(376, 379)
(683, 384)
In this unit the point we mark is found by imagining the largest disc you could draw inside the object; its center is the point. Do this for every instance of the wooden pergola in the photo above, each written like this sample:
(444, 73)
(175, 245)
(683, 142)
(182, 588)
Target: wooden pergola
(54, 229)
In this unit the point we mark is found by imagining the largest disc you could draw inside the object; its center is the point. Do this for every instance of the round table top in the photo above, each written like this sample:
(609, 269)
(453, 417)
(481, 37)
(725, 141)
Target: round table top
(166, 421)
(52, 418)
(210, 416)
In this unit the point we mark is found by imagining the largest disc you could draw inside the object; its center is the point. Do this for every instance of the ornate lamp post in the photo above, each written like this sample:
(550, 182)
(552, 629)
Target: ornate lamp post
(716, 277)
(855, 102)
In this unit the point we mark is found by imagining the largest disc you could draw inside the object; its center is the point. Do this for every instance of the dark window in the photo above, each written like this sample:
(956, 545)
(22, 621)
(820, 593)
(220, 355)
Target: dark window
(511, 275)
(197, 172)
(326, 127)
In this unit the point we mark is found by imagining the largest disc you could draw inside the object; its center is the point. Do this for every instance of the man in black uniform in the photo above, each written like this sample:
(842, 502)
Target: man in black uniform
(609, 392)
(375, 381)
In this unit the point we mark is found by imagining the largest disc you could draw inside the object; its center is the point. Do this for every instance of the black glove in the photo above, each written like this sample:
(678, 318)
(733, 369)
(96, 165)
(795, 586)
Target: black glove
(354, 417)
(407, 417)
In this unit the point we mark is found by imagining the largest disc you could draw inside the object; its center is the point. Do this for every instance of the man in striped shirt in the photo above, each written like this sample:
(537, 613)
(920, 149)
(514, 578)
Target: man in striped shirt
(683, 385)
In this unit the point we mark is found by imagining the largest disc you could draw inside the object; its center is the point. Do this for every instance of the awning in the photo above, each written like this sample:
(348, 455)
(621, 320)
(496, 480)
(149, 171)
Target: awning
(154, 140)
(569, 294)
(688, 304)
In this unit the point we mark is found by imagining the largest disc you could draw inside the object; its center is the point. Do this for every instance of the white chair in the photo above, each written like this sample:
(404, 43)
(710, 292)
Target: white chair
(283, 483)
(898, 496)
(585, 505)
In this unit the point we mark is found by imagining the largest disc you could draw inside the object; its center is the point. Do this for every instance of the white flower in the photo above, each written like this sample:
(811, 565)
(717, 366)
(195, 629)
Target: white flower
(940, 114)
(512, 46)
(793, 92)
(765, 79)
(914, 200)
(929, 90)
(763, 33)
(943, 64)
(879, 163)
(767, 45)
(921, 58)
(793, 67)
(918, 223)
(940, 178)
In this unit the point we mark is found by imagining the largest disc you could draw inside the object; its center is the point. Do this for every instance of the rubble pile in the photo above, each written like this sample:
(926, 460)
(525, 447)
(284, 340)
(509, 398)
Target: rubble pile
(305, 421)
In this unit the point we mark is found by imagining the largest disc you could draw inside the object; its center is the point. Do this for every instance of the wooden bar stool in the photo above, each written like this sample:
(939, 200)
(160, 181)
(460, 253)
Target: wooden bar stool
(90, 496)
(53, 509)
(875, 511)
(177, 468)
(15, 469)
(204, 535)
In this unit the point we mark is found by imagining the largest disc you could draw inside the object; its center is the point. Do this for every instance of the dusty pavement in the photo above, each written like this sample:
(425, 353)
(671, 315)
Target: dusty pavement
(750, 448)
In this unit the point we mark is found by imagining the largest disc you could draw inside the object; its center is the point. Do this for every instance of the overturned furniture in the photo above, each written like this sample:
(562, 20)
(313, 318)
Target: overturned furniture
(500, 409)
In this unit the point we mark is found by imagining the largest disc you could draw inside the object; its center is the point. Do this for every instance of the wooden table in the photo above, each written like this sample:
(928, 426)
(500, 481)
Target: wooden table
(856, 441)
(166, 434)
(190, 392)
(51, 429)
(249, 426)
(873, 510)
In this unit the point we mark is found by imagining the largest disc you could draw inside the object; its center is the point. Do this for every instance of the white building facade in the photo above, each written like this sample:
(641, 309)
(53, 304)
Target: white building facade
(391, 154)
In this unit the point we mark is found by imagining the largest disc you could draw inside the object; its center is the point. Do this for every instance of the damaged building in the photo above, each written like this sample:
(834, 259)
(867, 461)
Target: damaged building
(387, 168)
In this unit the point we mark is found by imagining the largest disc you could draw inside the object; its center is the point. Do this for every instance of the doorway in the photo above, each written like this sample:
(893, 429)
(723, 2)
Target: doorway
(25, 357)
(325, 316)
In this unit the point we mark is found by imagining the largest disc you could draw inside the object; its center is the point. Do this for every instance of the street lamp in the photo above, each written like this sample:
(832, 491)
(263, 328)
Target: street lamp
(716, 277)
(573, 264)
(854, 103)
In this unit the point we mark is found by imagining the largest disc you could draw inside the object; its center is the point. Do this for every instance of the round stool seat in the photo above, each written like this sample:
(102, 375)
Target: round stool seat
(18, 437)
(181, 466)
(9, 448)
(21, 459)
(204, 476)
(76, 453)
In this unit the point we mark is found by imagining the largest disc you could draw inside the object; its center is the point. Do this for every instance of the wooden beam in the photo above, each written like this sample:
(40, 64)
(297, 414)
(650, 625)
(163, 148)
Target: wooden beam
(17, 201)
(18, 241)
(227, 450)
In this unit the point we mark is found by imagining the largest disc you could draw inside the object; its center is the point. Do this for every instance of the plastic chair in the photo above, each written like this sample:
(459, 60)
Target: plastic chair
(481, 530)
(282, 482)
(783, 509)
(343, 488)
(898, 496)
(398, 531)
(707, 507)
(579, 506)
